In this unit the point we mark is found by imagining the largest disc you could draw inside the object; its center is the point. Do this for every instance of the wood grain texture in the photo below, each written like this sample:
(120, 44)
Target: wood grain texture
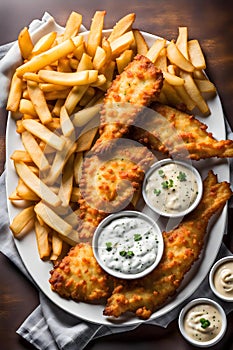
(209, 21)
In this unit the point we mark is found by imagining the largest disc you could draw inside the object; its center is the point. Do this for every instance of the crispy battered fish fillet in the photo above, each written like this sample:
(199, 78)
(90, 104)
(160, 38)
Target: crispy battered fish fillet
(138, 85)
(78, 276)
(176, 133)
(108, 182)
(182, 247)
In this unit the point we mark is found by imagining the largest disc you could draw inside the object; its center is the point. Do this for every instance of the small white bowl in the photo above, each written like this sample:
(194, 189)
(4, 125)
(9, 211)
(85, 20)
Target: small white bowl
(189, 167)
(98, 248)
(212, 275)
(189, 306)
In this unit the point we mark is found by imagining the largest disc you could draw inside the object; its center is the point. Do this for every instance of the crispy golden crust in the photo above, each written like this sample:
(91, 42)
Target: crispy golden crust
(109, 181)
(182, 247)
(78, 276)
(138, 85)
(179, 134)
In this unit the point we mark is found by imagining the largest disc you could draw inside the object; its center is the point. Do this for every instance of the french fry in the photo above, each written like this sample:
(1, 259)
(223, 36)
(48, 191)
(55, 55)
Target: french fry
(122, 26)
(69, 79)
(34, 151)
(182, 41)
(82, 117)
(25, 43)
(67, 126)
(100, 58)
(78, 161)
(39, 102)
(194, 93)
(21, 220)
(155, 49)
(43, 133)
(173, 79)
(75, 195)
(161, 60)
(24, 192)
(56, 223)
(57, 245)
(95, 34)
(121, 44)
(43, 44)
(87, 97)
(141, 45)
(65, 189)
(46, 58)
(176, 57)
(85, 141)
(42, 237)
(36, 184)
(72, 25)
(123, 60)
(26, 107)
(15, 93)
(204, 85)
(21, 156)
(196, 55)
(74, 97)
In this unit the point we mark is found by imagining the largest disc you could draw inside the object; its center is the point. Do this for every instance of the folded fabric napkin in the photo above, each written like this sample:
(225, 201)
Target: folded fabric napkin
(49, 327)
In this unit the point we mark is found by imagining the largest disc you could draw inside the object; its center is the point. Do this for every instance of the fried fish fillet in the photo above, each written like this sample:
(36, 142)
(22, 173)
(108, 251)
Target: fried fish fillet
(78, 276)
(179, 134)
(108, 182)
(182, 247)
(138, 85)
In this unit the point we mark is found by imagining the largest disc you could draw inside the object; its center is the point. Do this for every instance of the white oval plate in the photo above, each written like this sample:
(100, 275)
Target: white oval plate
(39, 270)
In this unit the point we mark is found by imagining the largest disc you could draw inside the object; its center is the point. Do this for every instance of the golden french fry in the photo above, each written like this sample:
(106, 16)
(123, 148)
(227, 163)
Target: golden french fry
(57, 94)
(26, 107)
(25, 192)
(46, 58)
(100, 82)
(34, 151)
(75, 194)
(78, 161)
(173, 79)
(44, 43)
(100, 58)
(67, 126)
(65, 189)
(32, 76)
(25, 43)
(36, 184)
(194, 93)
(87, 97)
(204, 85)
(57, 245)
(15, 93)
(161, 60)
(43, 133)
(82, 117)
(171, 94)
(21, 220)
(85, 141)
(123, 60)
(74, 97)
(196, 55)
(21, 156)
(95, 34)
(56, 223)
(155, 49)
(49, 87)
(182, 41)
(72, 25)
(39, 102)
(121, 44)
(69, 79)
(122, 26)
(42, 237)
(189, 103)
(141, 45)
(176, 57)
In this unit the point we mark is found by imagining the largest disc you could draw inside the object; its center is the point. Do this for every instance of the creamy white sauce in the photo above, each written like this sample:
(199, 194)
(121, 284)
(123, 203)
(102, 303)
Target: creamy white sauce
(128, 245)
(223, 279)
(203, 322)
(172, 188)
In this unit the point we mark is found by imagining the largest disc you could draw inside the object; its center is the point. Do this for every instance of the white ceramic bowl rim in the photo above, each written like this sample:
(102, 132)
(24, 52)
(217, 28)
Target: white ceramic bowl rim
(128, 213)
(188, 307)
(211, 277)
(188, 165)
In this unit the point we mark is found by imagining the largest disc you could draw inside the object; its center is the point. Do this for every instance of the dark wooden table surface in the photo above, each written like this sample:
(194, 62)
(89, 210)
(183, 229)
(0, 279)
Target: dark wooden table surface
(208, 20)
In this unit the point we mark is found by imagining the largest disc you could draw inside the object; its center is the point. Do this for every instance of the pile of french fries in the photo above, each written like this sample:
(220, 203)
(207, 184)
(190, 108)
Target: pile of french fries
(55, 97)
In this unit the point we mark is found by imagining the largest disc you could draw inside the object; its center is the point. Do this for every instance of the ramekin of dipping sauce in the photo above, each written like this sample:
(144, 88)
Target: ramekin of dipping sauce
(221, 278)
(202, 322)
(172, 188)
(128, 244)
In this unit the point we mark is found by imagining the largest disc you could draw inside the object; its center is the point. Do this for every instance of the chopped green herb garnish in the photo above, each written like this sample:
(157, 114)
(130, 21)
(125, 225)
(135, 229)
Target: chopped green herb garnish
(181, 176)
(137, 237)
(123, 253)
(108, 246)
(128, 254)
(161, 173)
(157, 192)
(204, 323)
(167, 184)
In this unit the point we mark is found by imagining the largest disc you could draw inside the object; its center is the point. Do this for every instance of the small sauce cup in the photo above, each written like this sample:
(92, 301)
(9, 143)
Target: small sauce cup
(128, 244)
(221, 278)
(194, 322)
(172, 188)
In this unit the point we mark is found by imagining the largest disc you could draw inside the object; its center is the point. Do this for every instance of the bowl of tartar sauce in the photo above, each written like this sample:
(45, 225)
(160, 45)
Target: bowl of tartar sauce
(221, 278)
(128, 244)
(202, 322)
(172, 188)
